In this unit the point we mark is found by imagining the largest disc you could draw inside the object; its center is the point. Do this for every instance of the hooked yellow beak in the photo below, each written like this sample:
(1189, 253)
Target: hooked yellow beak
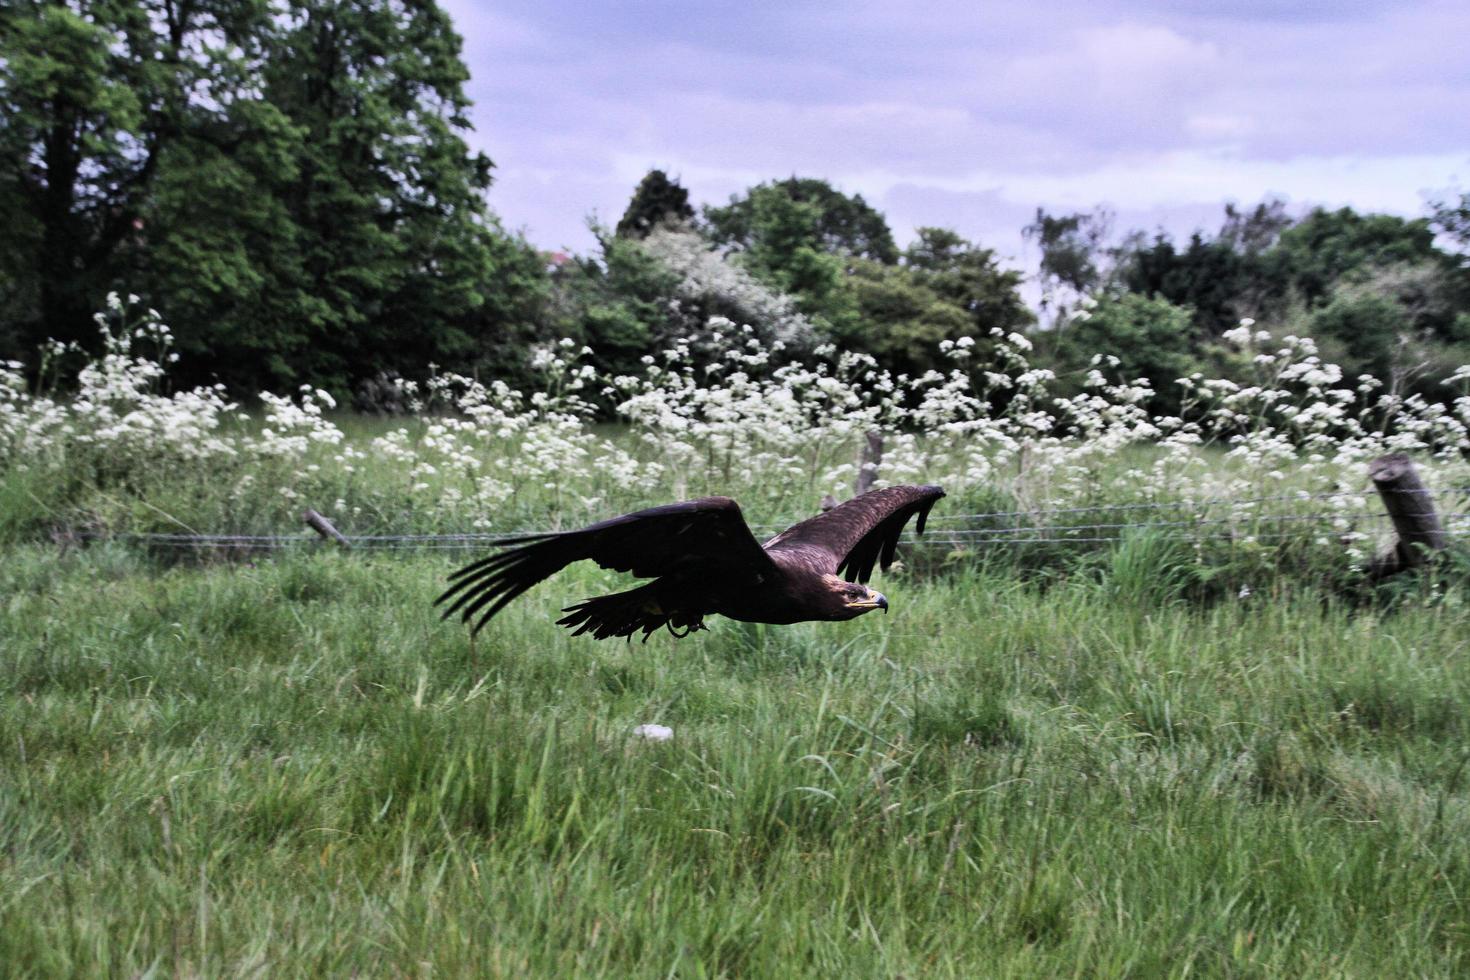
(876, 601)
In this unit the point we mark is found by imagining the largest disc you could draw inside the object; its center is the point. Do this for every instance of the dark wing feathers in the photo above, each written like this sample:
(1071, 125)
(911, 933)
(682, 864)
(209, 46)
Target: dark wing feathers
(856, 536)
(696, 534)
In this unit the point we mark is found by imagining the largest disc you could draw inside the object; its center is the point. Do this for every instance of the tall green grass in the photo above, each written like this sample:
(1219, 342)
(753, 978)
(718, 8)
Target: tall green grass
(293, 768)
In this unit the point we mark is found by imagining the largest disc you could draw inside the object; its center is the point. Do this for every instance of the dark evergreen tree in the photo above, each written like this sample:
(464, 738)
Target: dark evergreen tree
(656, 200)
(1220, 284)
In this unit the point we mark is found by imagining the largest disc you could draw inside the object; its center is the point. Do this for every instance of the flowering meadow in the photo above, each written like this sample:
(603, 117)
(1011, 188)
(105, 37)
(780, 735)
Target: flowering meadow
(288, 765)
(108, 445)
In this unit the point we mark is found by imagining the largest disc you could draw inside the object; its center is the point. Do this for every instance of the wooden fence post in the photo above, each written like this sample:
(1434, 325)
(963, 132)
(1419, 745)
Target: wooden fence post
(872, 456)
(1411, 508)
(324, 527)
(869, 459)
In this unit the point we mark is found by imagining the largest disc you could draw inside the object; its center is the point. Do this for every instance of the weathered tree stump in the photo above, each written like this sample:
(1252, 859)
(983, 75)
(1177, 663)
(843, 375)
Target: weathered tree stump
(1411, 508)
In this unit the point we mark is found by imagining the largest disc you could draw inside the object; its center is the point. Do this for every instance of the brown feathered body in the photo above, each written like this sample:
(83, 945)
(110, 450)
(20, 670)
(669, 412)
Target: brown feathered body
(703, 561)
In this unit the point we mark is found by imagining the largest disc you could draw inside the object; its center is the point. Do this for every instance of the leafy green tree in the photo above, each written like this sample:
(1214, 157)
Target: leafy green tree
(783, 240)
(387, 245)
(1397, 322)
(1260, 263)
(1072, 254)
(1149, 336)
(1326, 245)
(936, 250)
(946, 288)
(93, 95)
(787, 250)
(286, 181)
(1381, 292)
(656, 201)
(1368, 331)
(900, 318)
(621, 303)
(832, 221)
(1220, 284)
(970, 277)
(1241, 271)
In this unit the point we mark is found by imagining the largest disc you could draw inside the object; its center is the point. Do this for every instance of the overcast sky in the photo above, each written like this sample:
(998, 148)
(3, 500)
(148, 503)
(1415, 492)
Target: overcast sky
(970, 114)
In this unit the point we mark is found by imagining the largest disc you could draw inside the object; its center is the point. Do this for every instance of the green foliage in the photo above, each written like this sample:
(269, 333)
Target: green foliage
(792, 245)
(900, 319)
(385, 239)
(946, 288)
(788, 249)
(1071, 254)
(657, 200)
(1396, 322)
(622, 304)
(1322, 248)
(92, 95)
(1210, 277)
(830, 221)
(970, 277)
(1367, 327)
(800, 237)
(1142, 337)
(289, 183)
(1263, 266)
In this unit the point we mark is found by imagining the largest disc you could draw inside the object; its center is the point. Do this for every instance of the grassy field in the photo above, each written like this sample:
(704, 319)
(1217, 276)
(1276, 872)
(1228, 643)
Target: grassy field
(293, 768)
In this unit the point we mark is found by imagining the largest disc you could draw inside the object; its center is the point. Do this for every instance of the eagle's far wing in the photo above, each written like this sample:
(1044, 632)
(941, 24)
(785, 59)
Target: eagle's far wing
(854, 536)
(708, 535)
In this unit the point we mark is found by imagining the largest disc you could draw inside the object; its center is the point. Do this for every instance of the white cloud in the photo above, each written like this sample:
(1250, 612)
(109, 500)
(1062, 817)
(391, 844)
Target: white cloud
(982, 112)
(1389, 183)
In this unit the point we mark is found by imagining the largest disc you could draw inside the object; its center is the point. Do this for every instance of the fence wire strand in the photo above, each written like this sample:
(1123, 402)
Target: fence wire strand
(1014, 527)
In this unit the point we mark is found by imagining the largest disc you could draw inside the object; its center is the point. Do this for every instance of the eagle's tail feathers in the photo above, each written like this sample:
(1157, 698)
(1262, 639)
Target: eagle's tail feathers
(623, 614)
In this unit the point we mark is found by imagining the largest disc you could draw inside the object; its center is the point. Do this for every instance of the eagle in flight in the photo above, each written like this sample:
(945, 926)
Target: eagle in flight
(703, 561)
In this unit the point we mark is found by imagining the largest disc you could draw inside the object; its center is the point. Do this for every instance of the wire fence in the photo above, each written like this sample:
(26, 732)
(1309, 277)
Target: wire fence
(1261, 519)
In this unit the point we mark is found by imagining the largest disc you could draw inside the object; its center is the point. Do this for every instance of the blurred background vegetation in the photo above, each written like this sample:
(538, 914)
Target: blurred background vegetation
(290, 186)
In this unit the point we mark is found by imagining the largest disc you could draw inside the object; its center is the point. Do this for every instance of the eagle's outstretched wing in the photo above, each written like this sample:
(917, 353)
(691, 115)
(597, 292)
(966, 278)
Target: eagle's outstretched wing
(854, 536)
(708, 535)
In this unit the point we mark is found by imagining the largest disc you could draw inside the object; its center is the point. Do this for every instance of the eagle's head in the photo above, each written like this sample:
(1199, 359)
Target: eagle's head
(848, 600)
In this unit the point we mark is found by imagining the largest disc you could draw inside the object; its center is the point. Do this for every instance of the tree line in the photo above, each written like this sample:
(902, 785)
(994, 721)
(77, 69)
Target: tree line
(288, 182)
